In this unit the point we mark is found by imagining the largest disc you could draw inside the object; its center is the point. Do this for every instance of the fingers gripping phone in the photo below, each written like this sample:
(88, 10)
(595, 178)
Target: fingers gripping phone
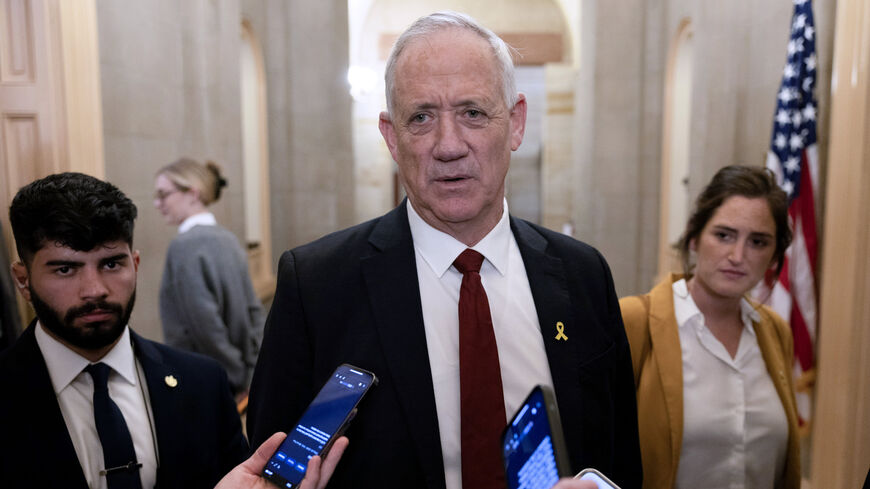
(533, 449)
(323, 422)
(597, 477)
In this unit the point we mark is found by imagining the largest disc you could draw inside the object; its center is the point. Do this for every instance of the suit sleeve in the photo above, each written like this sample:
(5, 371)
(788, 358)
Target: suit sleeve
(233, 447)
(280, 389)
(628, 471)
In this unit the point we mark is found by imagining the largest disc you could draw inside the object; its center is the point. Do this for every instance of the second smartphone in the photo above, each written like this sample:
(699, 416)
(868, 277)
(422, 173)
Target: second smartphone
(533, 449)
(322, 423)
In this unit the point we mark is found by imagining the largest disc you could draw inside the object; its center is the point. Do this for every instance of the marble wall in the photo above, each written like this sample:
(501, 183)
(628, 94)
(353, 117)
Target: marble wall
(170, 88)
(311, 155)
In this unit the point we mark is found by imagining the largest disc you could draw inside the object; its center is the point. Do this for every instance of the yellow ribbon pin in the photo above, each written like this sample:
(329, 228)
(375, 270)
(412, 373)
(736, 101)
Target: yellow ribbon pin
(560, 330)
(170, 380)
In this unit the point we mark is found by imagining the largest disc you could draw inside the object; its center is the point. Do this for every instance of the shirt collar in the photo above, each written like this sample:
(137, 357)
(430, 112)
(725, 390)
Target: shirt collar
(201, 219)
(439, 249)
(64, 365)
(684, 306)
(686, 310)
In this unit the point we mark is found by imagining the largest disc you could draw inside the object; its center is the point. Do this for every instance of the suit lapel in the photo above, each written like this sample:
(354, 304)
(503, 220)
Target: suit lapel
(665, 339)
(165, 406)
(390, 275)
(549, 288)
(44, 417)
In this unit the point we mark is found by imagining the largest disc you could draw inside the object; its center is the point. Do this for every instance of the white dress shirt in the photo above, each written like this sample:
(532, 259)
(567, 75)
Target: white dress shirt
(521, 353)
(735, 432)
(201, 219)
(75, 395)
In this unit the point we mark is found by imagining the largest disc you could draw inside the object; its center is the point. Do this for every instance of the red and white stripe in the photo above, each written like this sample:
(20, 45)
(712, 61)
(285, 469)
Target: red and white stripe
(794, 293)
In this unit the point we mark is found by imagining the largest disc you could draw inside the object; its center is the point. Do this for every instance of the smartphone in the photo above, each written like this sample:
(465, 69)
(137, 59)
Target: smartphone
(323, 422)
(596, 477)
(533, 448)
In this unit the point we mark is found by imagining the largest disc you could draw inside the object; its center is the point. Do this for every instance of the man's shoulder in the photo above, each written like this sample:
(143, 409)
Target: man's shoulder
(383, 230)
(175, 358)
(536, 235)
(21, 352)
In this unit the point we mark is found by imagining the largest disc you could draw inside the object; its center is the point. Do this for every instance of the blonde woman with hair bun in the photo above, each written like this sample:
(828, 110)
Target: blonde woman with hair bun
(207, 302)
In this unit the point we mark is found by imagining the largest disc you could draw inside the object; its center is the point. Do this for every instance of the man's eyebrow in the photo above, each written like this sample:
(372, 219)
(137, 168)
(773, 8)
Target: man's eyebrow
(118, 257)
(64, 263)
(425, 106)
(461, 103)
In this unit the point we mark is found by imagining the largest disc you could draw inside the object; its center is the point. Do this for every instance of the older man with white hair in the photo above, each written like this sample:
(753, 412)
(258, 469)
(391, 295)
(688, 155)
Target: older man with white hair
(459, 308)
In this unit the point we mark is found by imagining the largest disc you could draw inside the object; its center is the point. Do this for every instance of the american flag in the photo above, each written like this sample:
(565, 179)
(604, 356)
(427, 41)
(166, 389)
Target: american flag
(793, 157)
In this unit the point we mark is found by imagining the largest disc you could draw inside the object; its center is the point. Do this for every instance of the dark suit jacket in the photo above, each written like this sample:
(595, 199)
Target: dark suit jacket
(353, 297)
(9, 321)
(199, 435)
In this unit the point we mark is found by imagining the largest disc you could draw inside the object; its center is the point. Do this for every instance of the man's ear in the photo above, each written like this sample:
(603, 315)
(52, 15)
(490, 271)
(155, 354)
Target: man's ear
(518, 122)
(136, 260)
(385, 124)
(22, 279)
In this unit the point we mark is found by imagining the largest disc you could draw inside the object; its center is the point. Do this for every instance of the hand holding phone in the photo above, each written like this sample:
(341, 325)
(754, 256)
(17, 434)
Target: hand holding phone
(323, 422)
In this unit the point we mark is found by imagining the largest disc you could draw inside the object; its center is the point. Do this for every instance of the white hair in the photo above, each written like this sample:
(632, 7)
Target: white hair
(447, 19)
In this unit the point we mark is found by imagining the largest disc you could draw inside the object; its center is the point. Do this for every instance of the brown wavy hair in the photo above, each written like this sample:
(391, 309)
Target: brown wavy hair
(745, 181)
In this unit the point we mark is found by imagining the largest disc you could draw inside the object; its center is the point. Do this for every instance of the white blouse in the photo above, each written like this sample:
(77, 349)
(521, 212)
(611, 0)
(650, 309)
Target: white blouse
(735, 432)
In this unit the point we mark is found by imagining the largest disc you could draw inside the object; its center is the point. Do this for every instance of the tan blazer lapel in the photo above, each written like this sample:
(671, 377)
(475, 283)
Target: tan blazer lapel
(666, 348)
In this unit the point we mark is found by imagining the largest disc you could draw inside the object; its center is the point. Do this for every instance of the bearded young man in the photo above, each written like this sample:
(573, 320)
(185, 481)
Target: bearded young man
(88, 403)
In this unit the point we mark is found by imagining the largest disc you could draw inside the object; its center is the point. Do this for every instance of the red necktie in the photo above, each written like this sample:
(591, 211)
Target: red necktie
(480, 390)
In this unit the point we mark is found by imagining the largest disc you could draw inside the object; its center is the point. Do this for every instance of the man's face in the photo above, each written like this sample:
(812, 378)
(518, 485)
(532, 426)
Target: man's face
(451, 132)
(83, 298)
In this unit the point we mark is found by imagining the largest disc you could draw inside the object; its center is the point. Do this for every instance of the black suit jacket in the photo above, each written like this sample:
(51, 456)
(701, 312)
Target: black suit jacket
(198, 431)
(353, 297)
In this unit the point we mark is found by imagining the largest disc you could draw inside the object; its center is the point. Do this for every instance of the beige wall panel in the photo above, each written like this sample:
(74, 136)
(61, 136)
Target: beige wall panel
(841, 429)
(557, 146)
(21, 150)
(16, 46)
(30, 142)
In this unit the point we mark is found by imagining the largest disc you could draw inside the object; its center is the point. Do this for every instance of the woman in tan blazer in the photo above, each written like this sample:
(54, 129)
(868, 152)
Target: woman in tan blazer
(712, 368)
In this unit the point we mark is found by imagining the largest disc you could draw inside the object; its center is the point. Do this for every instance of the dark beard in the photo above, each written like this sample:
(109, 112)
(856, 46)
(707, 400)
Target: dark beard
(94, 336)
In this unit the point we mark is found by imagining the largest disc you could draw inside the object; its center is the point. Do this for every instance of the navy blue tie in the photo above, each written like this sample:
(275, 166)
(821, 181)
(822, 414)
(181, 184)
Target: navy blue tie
(122, 469)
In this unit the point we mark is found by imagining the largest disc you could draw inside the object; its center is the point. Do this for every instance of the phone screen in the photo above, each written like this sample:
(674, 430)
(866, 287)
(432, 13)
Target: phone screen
(326, 416)
(529, 447)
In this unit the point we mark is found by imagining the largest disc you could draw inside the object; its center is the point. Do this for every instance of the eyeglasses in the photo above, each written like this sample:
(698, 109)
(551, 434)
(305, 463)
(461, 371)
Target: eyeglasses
(161, 195)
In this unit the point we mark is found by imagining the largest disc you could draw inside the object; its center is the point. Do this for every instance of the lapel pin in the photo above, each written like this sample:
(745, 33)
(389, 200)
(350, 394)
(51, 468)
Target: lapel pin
(560, 332)
(170, 380)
